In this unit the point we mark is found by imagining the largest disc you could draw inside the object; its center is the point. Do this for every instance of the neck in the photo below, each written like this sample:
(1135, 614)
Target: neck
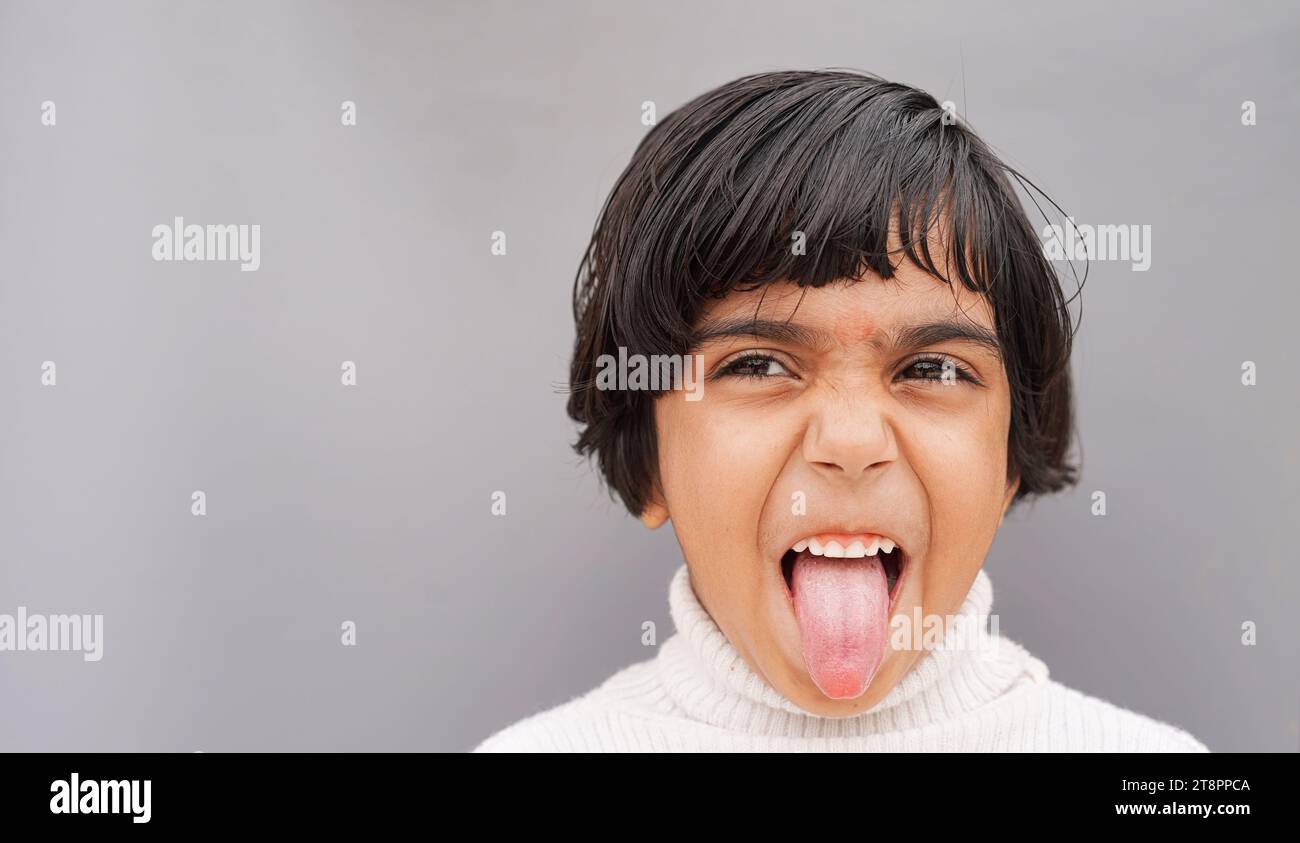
(709, 679)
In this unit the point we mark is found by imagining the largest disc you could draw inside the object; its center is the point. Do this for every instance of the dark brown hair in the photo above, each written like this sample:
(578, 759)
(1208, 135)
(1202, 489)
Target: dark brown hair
(712, 196)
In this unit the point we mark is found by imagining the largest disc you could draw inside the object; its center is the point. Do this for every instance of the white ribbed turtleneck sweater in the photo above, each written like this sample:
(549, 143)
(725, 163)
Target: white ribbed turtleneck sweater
(981, 693)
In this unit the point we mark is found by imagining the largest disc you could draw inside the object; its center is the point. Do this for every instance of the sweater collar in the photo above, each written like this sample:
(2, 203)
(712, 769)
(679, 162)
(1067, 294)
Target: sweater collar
(707, 677)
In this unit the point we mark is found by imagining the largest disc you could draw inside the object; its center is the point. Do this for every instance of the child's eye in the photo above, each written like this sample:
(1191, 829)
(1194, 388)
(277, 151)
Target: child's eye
(937, 368)
(754, 366)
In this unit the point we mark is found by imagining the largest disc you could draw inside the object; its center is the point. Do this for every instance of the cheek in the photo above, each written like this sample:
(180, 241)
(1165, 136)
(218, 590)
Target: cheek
(962, 467)
(716, 469)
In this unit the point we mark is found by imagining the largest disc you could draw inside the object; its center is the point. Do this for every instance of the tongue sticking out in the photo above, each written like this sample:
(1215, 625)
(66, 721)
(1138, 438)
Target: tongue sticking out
(842, 606)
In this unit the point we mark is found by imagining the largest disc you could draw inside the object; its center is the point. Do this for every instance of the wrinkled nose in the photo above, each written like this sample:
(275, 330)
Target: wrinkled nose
(846, 437)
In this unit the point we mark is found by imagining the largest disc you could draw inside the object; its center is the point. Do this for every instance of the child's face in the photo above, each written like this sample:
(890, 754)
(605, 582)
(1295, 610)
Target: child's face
(823, 417)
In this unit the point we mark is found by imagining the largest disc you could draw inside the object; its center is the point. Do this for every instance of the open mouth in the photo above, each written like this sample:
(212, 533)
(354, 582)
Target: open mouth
(842, 589)
(856, 546)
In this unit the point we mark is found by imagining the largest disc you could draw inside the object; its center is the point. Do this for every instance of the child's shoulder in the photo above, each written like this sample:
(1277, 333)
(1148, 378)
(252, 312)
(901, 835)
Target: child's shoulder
(585, 723)
(545, 731)
(1091, 724)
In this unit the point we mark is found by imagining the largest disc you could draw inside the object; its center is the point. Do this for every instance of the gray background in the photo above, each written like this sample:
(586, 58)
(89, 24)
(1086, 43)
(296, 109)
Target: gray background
(371, 504)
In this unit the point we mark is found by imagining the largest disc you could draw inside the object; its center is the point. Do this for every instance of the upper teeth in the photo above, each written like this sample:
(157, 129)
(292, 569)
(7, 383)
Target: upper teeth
(856, 549)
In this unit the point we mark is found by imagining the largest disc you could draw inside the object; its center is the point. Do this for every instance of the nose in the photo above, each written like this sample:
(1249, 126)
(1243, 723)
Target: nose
(848, 435)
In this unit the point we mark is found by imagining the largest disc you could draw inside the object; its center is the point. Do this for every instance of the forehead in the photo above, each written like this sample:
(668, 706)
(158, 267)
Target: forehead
(857, 311)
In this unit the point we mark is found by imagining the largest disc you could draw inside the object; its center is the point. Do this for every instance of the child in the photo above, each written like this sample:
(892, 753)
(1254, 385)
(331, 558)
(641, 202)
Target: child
(883, 358)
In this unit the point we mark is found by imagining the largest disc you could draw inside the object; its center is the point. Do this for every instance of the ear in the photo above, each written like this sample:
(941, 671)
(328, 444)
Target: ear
(1008, 498)
(655, 512)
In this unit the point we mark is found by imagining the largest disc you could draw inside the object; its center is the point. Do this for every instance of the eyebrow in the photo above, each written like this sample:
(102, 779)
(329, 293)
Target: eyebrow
(908, 337)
